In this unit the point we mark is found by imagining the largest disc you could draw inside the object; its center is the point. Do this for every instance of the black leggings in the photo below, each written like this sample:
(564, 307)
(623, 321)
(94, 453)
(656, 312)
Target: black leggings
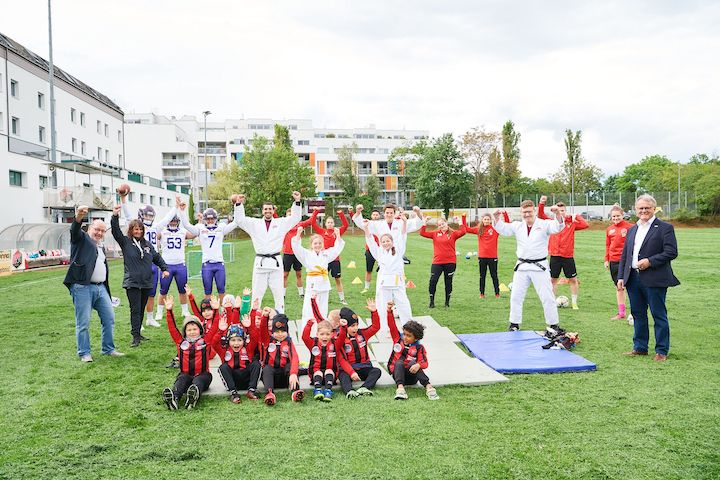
(484, 264)
(276, 377)
(437, 269)
(138, 298)
(183, 382)
(369, 374)
(403, 376)
(240, 378)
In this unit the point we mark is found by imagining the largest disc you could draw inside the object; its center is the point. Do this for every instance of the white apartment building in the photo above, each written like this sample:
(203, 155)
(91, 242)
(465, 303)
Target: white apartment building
(226, 141)
(90, 159)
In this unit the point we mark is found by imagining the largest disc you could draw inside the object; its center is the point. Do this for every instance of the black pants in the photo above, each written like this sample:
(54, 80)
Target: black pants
(276, 377)
(137, 297)
(369, 374)
(318, 378)
(183, 382)
(436, 269)
(403, 376)
(240, 378)
(485, 264)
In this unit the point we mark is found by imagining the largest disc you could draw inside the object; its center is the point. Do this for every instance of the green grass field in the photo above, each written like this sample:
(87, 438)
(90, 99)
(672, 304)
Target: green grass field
(632, 418)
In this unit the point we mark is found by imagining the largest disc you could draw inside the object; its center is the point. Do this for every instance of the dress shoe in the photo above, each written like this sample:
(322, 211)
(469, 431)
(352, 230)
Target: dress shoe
(659, 357)
(635, 353)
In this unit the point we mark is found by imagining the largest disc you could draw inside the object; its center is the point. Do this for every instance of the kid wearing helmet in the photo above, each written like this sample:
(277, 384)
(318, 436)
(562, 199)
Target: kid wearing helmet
(240, 369)
(210, 235)
(194, 355)
(172, 245)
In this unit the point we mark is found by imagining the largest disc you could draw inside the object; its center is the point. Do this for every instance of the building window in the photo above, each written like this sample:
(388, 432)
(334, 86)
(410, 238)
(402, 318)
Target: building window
(14, 89)
(303, 142)
(44, 181)
(41, 101)
(107, 155)
(323, 150)
(107, 130)
(142, 198)
(73, 115)
(83, 148)
(82, 119)
(16, 178)
(15, 126)
(99, 126)
(74, 145)
(119, 135)
(120, 160)
(161, 200)
(41, 134)
(99, 157)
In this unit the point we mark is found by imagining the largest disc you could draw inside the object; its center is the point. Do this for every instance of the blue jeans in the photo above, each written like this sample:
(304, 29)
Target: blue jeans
(642, 297)
(86, 298)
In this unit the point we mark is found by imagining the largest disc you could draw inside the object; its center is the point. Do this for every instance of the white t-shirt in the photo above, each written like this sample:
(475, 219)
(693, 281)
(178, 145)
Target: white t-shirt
(99, 272)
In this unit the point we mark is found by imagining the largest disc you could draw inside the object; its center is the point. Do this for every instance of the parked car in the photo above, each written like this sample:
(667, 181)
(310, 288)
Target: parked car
(591, 216)
(626, 216)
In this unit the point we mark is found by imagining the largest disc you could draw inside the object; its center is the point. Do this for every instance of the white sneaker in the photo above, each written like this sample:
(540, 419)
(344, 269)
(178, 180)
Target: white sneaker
(432, 394)
(86, 358)
(631, 320)
(151, 323)
(158, 315)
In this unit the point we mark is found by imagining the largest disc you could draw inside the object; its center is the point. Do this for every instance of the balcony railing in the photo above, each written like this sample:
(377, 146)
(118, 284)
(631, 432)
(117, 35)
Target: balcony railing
(69, 197)
(212, 151)
(177, 179)
(176, 163)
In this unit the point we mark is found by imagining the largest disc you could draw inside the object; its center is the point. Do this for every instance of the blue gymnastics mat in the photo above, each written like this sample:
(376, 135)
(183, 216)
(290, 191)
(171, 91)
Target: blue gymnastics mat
(521, 352)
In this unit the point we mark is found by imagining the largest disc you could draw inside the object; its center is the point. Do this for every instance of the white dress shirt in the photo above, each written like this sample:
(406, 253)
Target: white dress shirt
(99, 272)
(642, 231)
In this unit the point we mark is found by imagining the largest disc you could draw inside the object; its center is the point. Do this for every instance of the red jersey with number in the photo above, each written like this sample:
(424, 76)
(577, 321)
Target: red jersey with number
(615, 240)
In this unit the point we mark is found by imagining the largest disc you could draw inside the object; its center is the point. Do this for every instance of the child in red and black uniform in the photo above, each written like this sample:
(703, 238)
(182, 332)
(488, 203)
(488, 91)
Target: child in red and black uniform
(323, 366)
(194, 355)
(408, 358)
(352, 346)
(444, 260)
(208, 313)
(279, 357)
(328, 236)
(240, 369)
(487, 250)
(615, 236)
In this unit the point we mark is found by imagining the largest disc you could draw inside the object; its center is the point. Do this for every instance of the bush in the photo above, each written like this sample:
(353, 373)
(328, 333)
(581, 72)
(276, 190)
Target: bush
(685, 216)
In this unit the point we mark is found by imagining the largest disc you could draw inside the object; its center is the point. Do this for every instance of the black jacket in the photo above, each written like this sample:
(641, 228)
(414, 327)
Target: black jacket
(83, 255)
(659, 247)
(138, 268)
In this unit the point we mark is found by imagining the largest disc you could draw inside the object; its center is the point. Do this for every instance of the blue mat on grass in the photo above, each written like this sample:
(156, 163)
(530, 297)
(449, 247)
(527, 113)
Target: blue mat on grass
(521, 352)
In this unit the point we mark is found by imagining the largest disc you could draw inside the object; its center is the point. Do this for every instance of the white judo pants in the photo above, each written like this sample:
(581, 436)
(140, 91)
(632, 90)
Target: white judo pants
(322, 303)
(263, 279)
(541, 281)
(383, 295)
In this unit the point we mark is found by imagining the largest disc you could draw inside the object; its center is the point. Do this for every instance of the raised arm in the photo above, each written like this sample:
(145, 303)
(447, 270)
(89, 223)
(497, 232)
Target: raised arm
(580, 222)
(115, 228)
(316, 226)
(475, 230)
(343, 221)
(301, 253)
(334, 251)
(166, 219)
(375, 325)
(541, 210)
(501, 227)
(172, 327)
(194, 229)
(76, 233)
(126, 209)
(306, 338)
(425, 233)
(392, 325)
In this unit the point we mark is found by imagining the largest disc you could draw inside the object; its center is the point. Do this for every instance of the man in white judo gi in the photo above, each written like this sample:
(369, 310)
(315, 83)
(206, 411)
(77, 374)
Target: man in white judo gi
(532, 236)
(267, 235)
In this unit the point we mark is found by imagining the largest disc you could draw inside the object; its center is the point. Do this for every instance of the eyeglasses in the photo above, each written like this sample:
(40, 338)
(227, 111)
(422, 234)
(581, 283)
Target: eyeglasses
(644, 208)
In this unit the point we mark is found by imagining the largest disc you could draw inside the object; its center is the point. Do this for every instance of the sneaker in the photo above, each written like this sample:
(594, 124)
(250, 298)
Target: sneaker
(343, 301)
(365, 391)
(270, 399)
(553, 331)
(514, 327)
(297, 396)
(482, 295)
(169, 399)
(497, 295)
(575, 306)
(159, 315)
(86, 358)
(114, 353)
(631, 320)
(235, 397)
(135, 342)
(318, 394)
(618, 317)
(400, 394)
(143, 339)
(152, 322)
(251, 395)
(327, 394)
(174, 363)
(352, 394)
(432, 394)
(193, 395)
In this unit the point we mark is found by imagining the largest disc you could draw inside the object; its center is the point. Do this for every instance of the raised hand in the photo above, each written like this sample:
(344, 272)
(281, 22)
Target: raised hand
(554, 209)
(255, 304)
(343, 322)
(299, 232)
(246, 292)
(390, 305)
(266, 311)
(543, 199)
(188, 290)
(245, 321)
(214, 303)
(496, 214)
(358, 208)
(238, 301)
(223, 325)
(296, 196)
(116, 210)
(316, 209)
(82, 211)
(169, 300)
(371, 305)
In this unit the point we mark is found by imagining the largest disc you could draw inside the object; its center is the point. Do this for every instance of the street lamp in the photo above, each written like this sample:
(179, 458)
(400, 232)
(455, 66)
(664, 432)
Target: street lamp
(205, 114)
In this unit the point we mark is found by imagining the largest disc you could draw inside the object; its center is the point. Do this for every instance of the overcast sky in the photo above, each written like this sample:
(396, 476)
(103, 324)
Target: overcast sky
(638, 78)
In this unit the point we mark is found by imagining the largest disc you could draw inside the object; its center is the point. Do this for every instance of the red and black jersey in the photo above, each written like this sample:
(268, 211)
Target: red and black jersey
(410, 354)
(354, 349)
(194, 355)
(322, 357)
(242, 358)
(277, 354)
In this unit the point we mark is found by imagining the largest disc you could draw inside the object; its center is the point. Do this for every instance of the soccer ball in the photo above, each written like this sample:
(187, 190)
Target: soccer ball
(468, 255)
(562, 301)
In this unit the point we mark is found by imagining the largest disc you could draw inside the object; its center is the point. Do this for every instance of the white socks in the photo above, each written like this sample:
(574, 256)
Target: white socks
(301, 291)
(341, 295)
(367, 285)
(574, 299)
(184, 308)
(149, 317)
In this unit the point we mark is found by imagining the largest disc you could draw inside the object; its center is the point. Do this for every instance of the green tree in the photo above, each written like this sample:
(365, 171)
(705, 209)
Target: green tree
(510, 158)
(646, 175)
(371, 195)
(282, 137)
(576, 173)
(191, 205)
(346, 176)
(439, 175)
(401, 159)
(477, 145)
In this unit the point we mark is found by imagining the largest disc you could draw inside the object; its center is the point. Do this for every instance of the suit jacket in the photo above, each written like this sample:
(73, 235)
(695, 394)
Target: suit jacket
(83, 255)
(659, 247)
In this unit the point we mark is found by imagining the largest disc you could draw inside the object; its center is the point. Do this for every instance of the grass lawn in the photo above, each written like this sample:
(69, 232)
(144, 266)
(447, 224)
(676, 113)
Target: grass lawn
(632, 418)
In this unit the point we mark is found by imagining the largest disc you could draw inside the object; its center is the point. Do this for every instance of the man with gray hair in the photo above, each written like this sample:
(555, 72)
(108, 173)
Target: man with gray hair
(87, 280)
(645, 271)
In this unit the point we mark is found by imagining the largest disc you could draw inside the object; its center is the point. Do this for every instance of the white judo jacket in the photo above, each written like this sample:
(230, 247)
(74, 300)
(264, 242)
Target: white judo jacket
(381, 227)
(533, 246)
(267, 241)
(392, 267)
(316, 264)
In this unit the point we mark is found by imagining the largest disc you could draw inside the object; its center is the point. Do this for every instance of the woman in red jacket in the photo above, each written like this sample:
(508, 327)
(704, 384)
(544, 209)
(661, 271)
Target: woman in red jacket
(614, 243)
(444, 260)
(487, 250)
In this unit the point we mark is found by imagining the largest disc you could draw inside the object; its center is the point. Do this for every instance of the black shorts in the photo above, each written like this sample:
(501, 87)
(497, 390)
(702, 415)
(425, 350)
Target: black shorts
(614, 267)
(334, 268)
(369, 261)
(567, 265)
(291, 261)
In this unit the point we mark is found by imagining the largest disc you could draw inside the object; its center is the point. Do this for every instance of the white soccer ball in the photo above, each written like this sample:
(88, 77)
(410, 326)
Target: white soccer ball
(562, 301)
(468, 255)
(457, 253)
(474, 254)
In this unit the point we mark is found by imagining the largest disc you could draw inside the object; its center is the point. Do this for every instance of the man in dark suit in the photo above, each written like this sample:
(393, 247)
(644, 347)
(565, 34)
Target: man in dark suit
(646, 273)
(87, 280)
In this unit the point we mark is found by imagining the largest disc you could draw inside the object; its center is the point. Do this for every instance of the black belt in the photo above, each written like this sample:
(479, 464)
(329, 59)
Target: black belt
(534, 262)
(274, 256)
(97, 283)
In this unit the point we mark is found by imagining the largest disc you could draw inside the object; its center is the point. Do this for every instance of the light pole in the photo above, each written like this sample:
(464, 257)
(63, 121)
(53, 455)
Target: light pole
(51, 71)
(207, 203)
